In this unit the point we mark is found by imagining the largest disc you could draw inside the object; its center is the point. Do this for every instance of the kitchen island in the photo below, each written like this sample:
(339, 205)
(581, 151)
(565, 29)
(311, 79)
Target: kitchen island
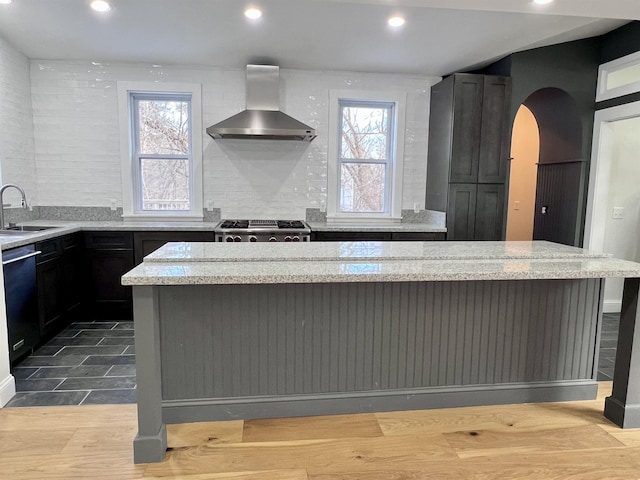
(228, 331)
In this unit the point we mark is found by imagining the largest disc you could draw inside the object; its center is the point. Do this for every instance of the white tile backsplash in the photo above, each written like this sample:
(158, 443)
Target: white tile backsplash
(75, 118)
(17, 158)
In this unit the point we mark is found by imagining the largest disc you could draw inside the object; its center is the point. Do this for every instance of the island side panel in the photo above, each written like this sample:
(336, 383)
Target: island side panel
(222, 343)
(151, 441)
(623, 406)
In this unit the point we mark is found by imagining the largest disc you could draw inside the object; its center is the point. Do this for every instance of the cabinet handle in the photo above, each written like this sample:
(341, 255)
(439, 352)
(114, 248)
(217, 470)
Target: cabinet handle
(24, 257)
(18, 345)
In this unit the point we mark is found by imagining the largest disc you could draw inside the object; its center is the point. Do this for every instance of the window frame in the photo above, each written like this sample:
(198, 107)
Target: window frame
(130, 158)
(395, 162)
(603, 91)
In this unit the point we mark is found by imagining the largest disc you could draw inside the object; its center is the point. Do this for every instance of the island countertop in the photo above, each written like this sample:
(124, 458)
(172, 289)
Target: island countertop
(320, 262)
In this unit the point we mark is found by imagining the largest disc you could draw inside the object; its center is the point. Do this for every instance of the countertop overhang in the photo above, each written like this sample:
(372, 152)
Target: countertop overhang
(220, 263)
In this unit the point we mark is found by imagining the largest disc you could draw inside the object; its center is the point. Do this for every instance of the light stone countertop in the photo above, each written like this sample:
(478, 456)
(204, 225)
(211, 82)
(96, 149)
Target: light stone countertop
(66, 227)
(373, 262)
(321, 251)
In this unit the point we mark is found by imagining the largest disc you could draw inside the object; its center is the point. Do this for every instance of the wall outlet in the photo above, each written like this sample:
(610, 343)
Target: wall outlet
(618, 213)
(113, 204)
(416, 207)
(210, 205)
(516, 205)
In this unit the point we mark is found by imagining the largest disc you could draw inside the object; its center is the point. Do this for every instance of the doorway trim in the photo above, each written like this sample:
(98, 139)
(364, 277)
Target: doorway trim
(599, 175)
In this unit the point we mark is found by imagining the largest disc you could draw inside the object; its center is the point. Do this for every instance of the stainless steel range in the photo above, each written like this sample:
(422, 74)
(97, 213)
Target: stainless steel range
(262, 231)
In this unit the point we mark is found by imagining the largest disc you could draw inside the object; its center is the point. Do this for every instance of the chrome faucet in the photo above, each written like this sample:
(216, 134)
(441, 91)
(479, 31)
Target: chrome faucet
(23, 202)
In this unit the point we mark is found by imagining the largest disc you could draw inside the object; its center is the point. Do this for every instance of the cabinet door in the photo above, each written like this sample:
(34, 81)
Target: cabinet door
(461, 211)
(109, 299)
(494, 138)
(489, 212)
(73, 280)
(49, 295)
(467, 119)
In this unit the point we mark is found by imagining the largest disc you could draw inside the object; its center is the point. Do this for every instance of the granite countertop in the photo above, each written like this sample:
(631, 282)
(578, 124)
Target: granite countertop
(66, 227)
(219, 263)
(377, 227)
(326, 251)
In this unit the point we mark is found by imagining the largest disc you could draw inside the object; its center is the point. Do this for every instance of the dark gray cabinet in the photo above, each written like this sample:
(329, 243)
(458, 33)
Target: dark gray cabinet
(375, 236)
(60, 280)
(468, 154)
(108, 256)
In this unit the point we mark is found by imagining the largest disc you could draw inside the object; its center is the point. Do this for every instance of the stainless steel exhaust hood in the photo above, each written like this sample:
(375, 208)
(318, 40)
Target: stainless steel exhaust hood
(262, 119)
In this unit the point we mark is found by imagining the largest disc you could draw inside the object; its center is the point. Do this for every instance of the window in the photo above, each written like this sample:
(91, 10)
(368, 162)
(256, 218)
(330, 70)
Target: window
(365, 158)
(163, 161)
(619, 77)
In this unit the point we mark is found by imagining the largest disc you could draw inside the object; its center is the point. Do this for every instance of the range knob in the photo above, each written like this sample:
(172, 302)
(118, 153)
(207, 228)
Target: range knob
(228, 239)
(237, 238)
(295, 239)
(273, 239)
(253, 238)
(287, 238)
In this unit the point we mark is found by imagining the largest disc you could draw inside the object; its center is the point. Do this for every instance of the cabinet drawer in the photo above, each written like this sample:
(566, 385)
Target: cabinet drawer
(119, 240)
(352, 236)
(49, 248)
(417, 236)
(70, 242)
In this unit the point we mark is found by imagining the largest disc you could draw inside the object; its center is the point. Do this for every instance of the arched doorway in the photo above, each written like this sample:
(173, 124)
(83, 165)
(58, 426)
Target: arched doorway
(525, 152)
(560, 177)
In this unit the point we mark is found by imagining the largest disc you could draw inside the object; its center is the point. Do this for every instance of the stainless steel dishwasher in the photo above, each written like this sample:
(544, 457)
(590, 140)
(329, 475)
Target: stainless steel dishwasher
(19, 268)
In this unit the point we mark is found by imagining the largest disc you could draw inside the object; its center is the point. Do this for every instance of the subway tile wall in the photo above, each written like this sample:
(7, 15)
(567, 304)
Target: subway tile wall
(75, 116)
(17, 158)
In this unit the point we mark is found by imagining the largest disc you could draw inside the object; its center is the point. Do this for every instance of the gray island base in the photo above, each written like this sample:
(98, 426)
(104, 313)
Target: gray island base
(228, 331)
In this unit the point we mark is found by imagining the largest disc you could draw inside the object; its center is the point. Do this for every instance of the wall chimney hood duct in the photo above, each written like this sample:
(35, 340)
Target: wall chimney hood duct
(262, 119)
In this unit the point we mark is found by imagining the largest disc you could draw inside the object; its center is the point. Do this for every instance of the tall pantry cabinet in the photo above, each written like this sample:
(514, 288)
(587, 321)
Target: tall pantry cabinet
(468, 154)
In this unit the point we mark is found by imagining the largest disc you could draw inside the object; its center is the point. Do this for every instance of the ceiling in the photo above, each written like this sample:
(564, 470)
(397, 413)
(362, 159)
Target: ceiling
(305, 34)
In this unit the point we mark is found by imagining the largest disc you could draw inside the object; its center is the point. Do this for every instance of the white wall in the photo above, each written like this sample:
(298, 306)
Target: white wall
(16, 124)
(76, 135)
(622, 236)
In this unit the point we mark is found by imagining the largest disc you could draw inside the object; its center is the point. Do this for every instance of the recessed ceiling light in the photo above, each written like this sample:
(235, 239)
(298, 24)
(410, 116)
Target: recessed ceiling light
(6, 2)
(542, 2)
(396, 21)
(252, 13)
(100, 6)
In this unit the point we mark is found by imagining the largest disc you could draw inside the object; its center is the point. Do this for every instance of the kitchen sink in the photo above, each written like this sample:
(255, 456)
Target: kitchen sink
(23, 229)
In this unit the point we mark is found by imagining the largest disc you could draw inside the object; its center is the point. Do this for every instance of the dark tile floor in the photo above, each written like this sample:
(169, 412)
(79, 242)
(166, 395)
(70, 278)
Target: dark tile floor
(87, 363)
(94, 363)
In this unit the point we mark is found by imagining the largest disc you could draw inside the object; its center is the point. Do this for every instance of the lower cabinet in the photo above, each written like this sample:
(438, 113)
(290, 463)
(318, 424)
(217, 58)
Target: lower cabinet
(60, 282)
(475, 211)
(376, 236)
(108, 256)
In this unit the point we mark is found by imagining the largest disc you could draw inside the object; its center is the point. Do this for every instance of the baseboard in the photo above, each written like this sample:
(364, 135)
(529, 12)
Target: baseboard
(611, 306)
(7, 390)
(211, 409)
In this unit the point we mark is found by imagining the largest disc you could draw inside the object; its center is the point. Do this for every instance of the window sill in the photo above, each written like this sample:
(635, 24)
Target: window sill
(360, 219)
(169, 217)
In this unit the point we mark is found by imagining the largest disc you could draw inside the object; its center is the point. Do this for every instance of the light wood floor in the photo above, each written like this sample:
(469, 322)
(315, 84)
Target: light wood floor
(534, 441)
